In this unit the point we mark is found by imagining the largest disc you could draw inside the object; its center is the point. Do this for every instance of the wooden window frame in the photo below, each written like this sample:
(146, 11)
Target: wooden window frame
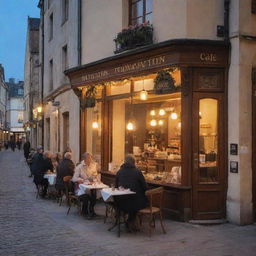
(144, 2)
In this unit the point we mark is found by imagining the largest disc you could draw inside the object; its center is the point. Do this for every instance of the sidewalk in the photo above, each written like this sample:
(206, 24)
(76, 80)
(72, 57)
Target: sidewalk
(48, 225)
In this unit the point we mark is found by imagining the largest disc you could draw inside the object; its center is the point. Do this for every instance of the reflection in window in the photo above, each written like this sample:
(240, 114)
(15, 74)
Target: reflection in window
(141, 11)
(208, 120)
(93, 135)
(151, 130)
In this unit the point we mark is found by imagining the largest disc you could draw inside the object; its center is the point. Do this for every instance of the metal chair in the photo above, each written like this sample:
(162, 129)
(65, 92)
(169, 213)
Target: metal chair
(155, 208)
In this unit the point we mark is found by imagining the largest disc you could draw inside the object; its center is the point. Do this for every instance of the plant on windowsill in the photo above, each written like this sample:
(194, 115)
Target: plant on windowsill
(164, 82)
(89, 101)
(134, 36)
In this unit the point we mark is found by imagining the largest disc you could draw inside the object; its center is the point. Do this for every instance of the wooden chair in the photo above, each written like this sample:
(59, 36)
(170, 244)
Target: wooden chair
(155, 197)
(71, 198)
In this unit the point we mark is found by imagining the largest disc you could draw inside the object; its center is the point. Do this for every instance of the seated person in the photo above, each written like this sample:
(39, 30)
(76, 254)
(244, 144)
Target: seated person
(65, 168)
(86, 171)
(130, 177)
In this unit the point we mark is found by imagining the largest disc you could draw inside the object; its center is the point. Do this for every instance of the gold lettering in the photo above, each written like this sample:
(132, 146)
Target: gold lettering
(211, 57)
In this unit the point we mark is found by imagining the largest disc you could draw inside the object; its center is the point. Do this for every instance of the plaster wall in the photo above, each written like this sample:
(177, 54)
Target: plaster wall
(243, 58)
(68, 103)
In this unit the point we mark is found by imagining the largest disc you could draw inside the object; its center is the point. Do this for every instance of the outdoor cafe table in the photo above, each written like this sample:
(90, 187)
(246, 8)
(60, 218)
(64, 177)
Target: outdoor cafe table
(51, 177)
(83, 188)
(109, 195)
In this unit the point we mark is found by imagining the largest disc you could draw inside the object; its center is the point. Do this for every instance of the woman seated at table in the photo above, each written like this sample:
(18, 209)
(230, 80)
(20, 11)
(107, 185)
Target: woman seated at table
(130, 177)
(85, 172)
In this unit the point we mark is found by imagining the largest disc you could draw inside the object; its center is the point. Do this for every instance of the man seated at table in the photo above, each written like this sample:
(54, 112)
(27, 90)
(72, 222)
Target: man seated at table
(130, 177)
(85, 172)
(65, 168)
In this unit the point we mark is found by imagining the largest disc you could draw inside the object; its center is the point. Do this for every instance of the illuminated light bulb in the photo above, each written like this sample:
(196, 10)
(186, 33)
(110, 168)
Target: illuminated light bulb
(160, 122)
(174, 116)
(143, 95)
(179, 124)
(95, 125)
(153, 112)
(130, 126)
(153, 122)
(161, 112)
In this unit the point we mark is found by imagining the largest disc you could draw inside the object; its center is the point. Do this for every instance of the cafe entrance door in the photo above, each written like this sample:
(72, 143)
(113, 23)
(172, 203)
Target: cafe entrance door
(208, 177)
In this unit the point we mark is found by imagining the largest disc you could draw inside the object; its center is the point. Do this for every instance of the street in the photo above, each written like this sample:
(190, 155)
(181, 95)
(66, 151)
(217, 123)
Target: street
(31, 226)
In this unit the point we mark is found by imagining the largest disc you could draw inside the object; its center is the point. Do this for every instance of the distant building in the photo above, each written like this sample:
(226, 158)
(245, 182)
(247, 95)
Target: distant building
(15, 108)
(3, 103)
(32, 92)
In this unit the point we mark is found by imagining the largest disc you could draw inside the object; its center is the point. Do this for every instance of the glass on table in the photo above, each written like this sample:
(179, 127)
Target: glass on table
(112, 187)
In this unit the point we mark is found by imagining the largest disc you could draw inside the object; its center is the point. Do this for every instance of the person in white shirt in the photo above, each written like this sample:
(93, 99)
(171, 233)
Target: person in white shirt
(86, 172)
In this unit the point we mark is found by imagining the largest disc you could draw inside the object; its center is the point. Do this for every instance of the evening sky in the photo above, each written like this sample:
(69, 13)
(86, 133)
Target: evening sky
(13, 30)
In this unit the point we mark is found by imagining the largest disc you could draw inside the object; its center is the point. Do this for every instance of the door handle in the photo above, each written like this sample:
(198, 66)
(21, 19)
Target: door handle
(195, 160)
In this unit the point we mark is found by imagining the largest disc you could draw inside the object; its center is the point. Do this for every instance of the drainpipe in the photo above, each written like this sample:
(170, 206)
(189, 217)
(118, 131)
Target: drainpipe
(226, 20)
(79, 32)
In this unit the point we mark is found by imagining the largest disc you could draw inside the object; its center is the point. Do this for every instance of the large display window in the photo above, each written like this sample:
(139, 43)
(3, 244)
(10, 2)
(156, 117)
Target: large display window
(150, 129)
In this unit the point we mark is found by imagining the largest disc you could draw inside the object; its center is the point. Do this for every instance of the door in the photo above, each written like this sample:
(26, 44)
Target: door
(208, 157)
(254, 142)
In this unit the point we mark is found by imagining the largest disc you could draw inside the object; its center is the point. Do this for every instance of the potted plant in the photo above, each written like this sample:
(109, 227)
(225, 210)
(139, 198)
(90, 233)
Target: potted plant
(89, 101)
(164, 82)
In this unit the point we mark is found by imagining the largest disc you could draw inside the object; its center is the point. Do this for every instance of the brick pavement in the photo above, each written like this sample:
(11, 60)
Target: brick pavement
(30, 226)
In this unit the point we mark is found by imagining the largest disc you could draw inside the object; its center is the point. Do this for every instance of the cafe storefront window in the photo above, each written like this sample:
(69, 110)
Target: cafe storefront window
(150, 129)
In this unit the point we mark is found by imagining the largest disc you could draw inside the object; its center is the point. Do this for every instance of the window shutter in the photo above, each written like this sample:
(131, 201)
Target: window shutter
(253, 6)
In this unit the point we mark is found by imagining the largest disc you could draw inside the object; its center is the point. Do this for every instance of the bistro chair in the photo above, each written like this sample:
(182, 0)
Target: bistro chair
(71, 198)
(154, 209)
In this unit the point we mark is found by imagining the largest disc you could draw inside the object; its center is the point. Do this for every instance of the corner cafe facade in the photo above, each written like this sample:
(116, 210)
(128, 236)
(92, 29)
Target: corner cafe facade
(178, 136)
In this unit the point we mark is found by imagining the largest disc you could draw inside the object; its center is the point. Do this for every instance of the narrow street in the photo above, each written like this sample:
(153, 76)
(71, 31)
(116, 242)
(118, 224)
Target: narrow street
(31, 226)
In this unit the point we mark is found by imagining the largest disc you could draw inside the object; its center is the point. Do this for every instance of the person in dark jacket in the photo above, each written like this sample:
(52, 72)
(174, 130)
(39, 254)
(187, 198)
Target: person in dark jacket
(65, 168)
(130, 177)
(44, 164)
(26, 149)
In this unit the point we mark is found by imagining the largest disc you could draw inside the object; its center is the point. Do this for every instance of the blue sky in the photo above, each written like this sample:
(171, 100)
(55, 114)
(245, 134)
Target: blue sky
(13, 29)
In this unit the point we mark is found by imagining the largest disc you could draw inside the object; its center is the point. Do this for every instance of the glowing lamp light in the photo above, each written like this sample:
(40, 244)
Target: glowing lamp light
(153, 112)
(143, 95)
(161, 112)
(95, 125)
(160, 122)
(153, 122)
(174, 116)
(39, 109)
(130, 126)
(179, 124)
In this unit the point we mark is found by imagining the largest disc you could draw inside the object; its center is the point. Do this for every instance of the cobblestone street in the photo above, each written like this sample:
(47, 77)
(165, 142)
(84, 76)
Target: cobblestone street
(31, 226)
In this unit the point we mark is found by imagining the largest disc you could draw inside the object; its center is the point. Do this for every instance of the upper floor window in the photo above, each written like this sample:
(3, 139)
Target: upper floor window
(50, 75)
(51, 27)
(64, 57)
(65, 8)
(20, 91)
(140, 11)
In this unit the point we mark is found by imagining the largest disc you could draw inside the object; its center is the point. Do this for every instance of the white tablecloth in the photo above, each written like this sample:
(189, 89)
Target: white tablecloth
(51, 178)
(85, 188)
(108, 193)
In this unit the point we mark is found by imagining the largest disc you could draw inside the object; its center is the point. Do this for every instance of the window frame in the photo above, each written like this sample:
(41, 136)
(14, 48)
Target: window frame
(51, 26)
(144, 14)
(50, 88)
(64, 57)
(65, 11)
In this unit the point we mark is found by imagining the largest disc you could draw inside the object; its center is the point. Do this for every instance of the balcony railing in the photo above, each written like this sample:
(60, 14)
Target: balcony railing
(133, 37)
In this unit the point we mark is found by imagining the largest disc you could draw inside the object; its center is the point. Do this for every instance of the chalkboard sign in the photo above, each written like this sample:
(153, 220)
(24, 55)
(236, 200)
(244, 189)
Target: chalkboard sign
(234, 166)
(233, 149)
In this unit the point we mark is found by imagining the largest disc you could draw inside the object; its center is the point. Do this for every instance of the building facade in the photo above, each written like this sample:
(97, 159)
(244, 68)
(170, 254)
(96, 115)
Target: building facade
(15, 109)
(32, 92)
(59, 26)
(3, 103)
(161, 80)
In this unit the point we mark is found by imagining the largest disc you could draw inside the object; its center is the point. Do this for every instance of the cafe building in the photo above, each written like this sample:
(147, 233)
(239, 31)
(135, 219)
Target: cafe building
(166, 104)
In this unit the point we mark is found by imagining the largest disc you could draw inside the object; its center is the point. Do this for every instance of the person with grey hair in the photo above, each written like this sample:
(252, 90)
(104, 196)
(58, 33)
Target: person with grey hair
(130, 177)
(86, 171)
(65, 168)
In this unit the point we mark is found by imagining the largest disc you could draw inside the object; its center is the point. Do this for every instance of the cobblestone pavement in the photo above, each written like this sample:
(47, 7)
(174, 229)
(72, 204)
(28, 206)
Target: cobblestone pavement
(30, 226)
